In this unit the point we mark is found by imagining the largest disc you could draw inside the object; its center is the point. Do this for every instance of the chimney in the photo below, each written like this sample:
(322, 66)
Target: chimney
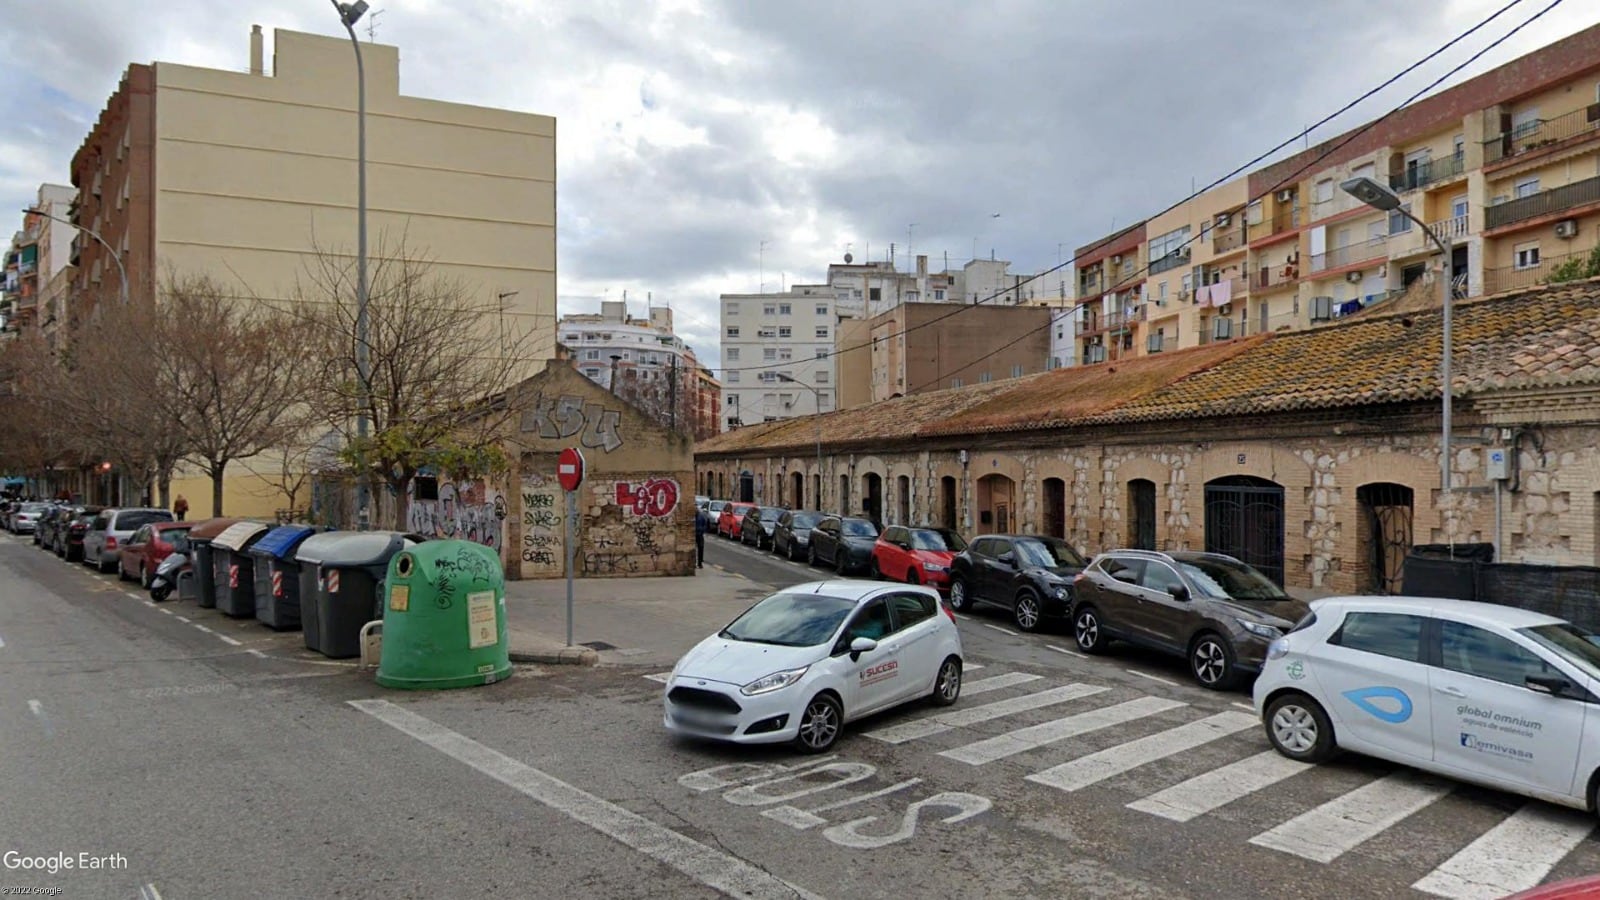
(256, 51)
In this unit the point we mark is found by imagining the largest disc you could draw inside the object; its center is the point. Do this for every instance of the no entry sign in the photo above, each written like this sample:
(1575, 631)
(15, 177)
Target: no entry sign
(569, 469)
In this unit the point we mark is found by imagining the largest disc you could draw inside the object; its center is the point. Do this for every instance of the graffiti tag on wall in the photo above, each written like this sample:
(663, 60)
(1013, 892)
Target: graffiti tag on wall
(465, 511)
(543, 548)
(656, 497)
(566, 416)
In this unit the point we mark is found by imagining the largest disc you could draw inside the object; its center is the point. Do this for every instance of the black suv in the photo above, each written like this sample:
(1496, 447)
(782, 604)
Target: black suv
(791, 537)
(759, 523)
(844, 542)
(1213, 609)
(1031, 575)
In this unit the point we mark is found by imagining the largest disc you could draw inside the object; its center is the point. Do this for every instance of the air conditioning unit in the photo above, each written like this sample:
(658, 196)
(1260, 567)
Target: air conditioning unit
(1116, 259)
(1567, 228)
(1383, 271)
(1225, 309)
(1353, 277)
(1286, 195)
(1223, 220)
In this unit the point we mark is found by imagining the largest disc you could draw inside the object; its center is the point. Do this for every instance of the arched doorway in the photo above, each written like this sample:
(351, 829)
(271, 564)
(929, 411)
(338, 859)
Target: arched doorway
(816, 492)
(1244, 519)
(947, 501)
(798, 498)
(1142, 514)
(996, 504)
(1384, 534)
(903, 483)
(872, 501)
(1055, 507)
(747, 487)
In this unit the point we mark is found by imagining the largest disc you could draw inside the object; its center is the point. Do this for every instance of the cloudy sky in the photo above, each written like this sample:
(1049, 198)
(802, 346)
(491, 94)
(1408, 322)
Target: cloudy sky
(692, 131)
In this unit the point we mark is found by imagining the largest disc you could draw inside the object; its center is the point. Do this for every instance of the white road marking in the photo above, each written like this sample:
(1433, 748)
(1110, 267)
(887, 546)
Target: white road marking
(660, 676)
(921, 728)
(183, 619)
(1512, 856)
(1066, 651)
(1031, 738)
(1326, 832)
(229, 641)
(256, 653)
(149, 892)
(996, 682)
(999, 629)
(169, 612)
(709, 866)
(200, 627)
(135, 595)
(150, 603)
(37, 709)
(1112, 761)
(2, 642)
(1219, 787)
(970, 666)
(1151, 677)
(801, 819)
(1246, 707)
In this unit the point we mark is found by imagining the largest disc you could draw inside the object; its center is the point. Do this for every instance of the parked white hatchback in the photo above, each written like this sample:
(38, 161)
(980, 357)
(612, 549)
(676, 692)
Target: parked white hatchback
(1489, 694)
(799, 664)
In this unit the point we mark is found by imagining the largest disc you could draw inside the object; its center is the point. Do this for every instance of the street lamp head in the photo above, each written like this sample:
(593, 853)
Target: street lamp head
(1371, 193)
(351, 13)
(782, 377)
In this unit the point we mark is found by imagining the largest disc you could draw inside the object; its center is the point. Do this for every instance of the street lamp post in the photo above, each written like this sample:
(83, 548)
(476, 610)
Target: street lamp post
(1381, 198)
(350, 14)
(817, 397)
(115, 257)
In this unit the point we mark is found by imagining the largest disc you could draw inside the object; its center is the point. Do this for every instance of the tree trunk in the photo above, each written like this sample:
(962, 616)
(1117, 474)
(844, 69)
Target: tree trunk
(164, 486)
(216, 470)
(402, 503)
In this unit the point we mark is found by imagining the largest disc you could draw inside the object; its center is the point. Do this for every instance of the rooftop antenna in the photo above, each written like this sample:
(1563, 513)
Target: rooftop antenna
(761, 252)
(372, 25)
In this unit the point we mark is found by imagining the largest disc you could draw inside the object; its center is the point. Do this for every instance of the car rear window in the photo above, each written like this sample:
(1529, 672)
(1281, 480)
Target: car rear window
(1393, 635)
(133, 519)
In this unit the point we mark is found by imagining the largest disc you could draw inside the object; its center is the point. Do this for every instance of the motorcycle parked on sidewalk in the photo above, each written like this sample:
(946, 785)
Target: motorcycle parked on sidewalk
(167, 573)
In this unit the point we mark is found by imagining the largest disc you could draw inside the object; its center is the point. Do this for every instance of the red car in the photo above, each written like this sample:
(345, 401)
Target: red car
(148, 547)
(731, 523)
(916, 555)
(1585, 888)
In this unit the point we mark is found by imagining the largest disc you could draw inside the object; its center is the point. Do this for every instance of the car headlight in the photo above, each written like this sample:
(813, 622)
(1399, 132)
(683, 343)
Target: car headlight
(775, 682)
(932, 567)
(1063, 594)
(1278, 648)
(1260, 630)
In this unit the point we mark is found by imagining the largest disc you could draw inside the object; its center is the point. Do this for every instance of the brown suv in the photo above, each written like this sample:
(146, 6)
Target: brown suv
(1214, 610)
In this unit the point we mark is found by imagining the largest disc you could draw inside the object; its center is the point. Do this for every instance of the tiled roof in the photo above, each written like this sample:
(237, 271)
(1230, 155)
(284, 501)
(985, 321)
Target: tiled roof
(1543, 337)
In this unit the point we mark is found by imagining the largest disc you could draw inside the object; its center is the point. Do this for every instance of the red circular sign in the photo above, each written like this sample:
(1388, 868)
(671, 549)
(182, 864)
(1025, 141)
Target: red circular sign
(569, 469)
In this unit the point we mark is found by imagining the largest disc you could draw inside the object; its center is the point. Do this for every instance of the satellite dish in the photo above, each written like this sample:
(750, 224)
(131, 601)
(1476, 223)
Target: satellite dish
(849, 258)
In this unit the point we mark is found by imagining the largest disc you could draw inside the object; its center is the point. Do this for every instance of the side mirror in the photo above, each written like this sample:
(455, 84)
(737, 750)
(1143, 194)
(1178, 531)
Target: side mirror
(1008, 557)
(1179, 593)
(1554, 685)
(861, 645)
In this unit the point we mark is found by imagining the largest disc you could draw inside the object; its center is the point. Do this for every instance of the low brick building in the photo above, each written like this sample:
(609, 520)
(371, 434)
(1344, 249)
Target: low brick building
(1313, 455)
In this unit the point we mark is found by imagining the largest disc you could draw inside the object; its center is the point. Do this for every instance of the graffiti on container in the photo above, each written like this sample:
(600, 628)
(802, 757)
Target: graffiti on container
(566, 416)
(465, 565)
(467, 511)
(656, 497)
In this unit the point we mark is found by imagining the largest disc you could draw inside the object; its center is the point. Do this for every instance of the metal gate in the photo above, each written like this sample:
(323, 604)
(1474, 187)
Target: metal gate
(1387, 508)
(1142, 514)
(1244, 519)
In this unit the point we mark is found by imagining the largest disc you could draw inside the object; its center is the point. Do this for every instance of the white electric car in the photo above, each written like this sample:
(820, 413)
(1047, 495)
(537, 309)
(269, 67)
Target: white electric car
(799, 664)
(1494, 695)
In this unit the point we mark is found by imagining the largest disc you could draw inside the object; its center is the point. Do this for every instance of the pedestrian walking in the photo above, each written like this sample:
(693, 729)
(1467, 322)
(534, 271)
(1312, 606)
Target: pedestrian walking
(180, 508)
(702, 524)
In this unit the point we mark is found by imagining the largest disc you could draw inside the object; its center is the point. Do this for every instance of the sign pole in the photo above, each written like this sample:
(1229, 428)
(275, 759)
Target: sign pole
(569, 472)
(572, 515)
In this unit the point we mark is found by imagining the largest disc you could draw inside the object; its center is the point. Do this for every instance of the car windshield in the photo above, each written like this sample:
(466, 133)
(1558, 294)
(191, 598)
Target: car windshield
(1225, 579)
(1571, 643)
(858, 528)
(804, 520)
(1047, 553)
(790, 620)
(937, 539)
(178, 538)
(770, 513)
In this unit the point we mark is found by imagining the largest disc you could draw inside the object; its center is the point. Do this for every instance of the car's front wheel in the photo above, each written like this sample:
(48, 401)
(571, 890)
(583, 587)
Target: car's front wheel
(874, 570)
(1211, 661)
(959, 601)
(144, 577)
(1026, 611)
(947, 687)
(1298, 728)
(1086, 630)
(820, 724)
(811, 555)
(841, 561)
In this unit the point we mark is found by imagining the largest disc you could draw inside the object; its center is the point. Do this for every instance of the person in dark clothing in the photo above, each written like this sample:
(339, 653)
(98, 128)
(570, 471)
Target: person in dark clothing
(702, 524)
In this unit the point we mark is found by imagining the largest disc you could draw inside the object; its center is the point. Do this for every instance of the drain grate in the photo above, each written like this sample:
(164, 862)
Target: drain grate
(599, 645)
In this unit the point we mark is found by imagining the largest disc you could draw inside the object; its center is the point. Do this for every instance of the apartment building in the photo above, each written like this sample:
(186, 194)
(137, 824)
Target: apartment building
(613, 344)
(37, 264)
(777, 354)
(1504, 168)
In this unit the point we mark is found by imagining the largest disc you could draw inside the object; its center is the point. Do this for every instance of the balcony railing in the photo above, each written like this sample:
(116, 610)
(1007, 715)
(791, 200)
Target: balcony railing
(1229, 240)
(1116, 321)
(1273, 277)
(1511, 278)
(1349, 254)
(1543, 133)
(1088, 285)
(1170, 261)
(1283, 221)
(1449, 229)
(1427, 173)
(1543, 203)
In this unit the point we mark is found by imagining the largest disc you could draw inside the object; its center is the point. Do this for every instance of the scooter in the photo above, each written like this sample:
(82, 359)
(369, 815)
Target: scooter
(166, 577)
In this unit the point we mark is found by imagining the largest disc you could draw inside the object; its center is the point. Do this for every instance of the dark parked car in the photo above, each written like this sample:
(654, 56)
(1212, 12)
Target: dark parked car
(843, 542)
(41, 528)
(70, 546)
(1213, 609)
(1030, 575)
(759, 523)
(916, 555)
(791, 536)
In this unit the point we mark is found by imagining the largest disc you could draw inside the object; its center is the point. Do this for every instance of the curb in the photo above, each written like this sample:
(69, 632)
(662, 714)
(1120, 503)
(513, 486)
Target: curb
(564, 656)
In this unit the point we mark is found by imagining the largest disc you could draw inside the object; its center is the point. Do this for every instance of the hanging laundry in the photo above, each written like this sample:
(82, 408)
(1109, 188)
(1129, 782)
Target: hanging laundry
(1202, 295)
(1222, 293)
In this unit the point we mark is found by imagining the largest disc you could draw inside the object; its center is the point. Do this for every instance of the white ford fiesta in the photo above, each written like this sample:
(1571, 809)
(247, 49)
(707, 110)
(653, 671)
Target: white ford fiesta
(1502, 697)
(799, 664)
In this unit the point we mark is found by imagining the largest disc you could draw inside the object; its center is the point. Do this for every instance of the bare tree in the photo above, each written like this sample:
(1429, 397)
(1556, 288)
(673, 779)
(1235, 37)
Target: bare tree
(441, 353)
(37, 439)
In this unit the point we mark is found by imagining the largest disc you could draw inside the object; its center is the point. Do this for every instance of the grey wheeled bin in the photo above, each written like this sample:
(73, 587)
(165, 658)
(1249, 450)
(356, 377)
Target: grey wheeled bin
(277, 576)
(350, 566)
(233, 568)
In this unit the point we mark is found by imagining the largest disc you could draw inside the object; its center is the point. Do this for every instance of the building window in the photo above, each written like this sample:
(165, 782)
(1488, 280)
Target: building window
(1525, 122)
(1016, 371)
(785, 331)
(822, 309)
(733, 401)
(733, 353)
(822, 376)
(769, 354)
(938, 295)
(733, 376)
(605, 337)
(572, 338)
(592, 373)
(984, 377)
(591, 336)
(1526, 255)
(1460, 146)
(732, 308)
(1399, 222)
(1527, 187)
(768, 309)
(824, 400)
(785, 353)
(783, 309)
(591, 354)
(822, 353)
(875, 294)
(1324, 191)
(955, 382)
(822, 331)
(733, 331)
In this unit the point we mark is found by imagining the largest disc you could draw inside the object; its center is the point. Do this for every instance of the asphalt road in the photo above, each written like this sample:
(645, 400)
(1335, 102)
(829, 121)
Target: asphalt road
(228, 762)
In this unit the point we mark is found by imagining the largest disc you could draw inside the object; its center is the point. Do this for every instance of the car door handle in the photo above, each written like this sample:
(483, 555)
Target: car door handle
(1455, 692)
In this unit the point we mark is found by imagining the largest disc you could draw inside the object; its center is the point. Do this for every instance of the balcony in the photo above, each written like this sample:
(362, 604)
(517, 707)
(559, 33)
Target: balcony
(1421, 175)
(1272, 278)
(1171, 261)
(1338, 203)
(1574, 126)
(1228, 241)
(1287, 220)
(1453, 228)
(1544, 203)
(1511, 278)
(1350, 254)
(1088, 285)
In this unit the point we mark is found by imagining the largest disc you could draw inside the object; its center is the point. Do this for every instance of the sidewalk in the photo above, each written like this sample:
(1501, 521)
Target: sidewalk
(632, 621)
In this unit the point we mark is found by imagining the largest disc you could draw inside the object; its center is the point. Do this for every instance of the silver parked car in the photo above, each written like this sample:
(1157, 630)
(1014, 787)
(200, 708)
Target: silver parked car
(111, 529)
(26, 518)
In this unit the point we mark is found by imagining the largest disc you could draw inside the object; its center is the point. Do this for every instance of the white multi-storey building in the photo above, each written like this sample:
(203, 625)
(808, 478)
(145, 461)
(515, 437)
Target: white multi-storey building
(777, 354)
(614, 342)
